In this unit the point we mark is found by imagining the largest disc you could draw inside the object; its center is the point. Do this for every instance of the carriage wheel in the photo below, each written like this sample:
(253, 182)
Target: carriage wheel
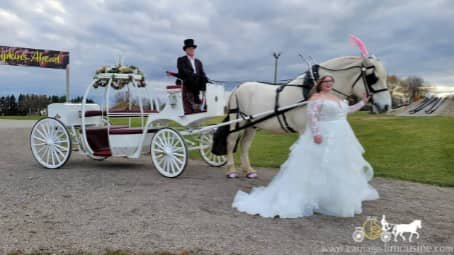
(358, 235)
(169, 152)
(206, 142)
(386, 236)
(50, 143)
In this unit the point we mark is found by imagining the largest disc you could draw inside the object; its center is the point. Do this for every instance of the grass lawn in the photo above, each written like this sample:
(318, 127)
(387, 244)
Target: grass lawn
(418, 149)
(409, 148)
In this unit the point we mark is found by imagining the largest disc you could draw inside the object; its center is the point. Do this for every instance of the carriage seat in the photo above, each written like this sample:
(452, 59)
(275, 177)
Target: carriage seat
(176, 86)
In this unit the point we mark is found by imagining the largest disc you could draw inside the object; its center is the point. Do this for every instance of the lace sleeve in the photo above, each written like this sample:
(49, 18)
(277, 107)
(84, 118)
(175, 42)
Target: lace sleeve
(313, 112)
(356, 107)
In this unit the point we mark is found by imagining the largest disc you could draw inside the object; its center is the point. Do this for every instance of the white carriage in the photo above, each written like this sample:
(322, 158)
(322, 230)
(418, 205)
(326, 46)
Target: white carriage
(88, 128)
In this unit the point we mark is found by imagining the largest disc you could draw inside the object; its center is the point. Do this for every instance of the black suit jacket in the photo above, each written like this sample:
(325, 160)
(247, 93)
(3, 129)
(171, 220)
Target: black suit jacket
(195, 82)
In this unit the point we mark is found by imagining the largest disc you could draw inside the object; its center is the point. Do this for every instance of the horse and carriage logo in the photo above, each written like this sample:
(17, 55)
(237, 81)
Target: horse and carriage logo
(373, 229)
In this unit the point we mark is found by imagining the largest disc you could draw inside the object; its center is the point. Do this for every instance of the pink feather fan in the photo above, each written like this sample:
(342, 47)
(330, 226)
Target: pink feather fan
(360, 44)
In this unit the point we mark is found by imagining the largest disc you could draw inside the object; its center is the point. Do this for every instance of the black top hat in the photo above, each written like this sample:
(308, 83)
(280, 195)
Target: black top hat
(189, 43)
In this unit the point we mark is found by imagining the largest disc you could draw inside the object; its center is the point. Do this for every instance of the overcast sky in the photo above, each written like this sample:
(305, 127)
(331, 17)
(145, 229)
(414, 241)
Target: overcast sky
(236, 39)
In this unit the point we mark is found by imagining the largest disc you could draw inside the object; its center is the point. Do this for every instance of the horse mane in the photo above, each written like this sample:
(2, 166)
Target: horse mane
(335, 63)
(342, 62)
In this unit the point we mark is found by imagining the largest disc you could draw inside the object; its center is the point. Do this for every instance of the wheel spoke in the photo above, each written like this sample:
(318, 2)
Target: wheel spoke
(177, 142)
(178, 149)
(205, 146)
(161, 160)
(49, 130)
(178, 154)
(166, 164)
(169, 138)
(43, 127)
(61, 147)
(162, 141)
(61, 135)
(52, 129)
(43, 148)
(57, 156)
(48, 155)
(206, 139)
(40, 139)
(179, 160)
(159, 145)
(39, 133)
(52, 156)
(60, 152)
(61, 141)
(172, 141)
(158, 150)
(172, 166)
(38, 144)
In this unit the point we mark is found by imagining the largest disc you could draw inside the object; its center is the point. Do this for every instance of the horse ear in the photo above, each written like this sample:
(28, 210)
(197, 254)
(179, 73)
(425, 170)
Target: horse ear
(367, 61)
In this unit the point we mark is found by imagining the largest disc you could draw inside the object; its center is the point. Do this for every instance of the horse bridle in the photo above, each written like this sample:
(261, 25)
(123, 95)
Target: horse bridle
(368, 80)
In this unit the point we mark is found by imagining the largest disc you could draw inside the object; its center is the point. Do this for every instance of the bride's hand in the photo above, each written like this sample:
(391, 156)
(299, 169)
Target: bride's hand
(318, 139)
(366, 98)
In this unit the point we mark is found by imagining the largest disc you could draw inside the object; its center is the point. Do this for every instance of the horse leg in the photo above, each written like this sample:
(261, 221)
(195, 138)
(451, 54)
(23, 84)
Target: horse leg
(403, 236)
(246, 142)
(231, 142)
(395, 236)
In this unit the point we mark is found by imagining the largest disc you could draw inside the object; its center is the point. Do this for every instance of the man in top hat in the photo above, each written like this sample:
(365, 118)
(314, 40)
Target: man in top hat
(190, 70)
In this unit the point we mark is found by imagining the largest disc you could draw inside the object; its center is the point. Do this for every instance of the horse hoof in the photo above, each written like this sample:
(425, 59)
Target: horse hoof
(232, 175)
(251, 175)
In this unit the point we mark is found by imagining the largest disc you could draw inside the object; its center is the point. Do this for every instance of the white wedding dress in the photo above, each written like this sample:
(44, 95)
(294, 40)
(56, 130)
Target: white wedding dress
(329, 178)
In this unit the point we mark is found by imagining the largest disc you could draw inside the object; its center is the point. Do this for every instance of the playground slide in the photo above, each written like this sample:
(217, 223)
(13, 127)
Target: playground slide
(436, 106)
(424, 101)
(423, 105)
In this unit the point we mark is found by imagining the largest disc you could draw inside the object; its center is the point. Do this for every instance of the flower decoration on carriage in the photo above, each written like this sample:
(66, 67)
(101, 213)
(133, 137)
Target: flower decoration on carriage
(118, 82)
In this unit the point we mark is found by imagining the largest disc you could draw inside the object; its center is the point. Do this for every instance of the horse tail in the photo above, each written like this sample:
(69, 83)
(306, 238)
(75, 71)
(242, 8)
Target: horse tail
(221, 134)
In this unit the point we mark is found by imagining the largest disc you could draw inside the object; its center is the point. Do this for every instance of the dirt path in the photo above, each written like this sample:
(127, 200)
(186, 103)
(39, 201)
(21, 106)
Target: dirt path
(119, 203)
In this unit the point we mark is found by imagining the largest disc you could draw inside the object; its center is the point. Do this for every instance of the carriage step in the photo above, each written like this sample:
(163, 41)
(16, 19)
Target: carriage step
(103, 153)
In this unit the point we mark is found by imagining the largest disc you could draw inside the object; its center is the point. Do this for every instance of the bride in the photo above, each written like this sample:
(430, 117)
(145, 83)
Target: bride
(325, 172)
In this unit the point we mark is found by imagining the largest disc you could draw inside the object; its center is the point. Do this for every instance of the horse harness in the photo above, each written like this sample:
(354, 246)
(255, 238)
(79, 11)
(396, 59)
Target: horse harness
(309, 81)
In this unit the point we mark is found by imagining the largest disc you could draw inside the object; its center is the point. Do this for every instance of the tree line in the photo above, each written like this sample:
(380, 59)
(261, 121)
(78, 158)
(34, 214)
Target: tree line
(31, 104)
(408, 90)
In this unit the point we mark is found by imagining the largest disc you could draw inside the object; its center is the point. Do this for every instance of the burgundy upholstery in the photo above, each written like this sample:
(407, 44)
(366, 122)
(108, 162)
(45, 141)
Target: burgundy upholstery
(97, 138)
(174, 87)
(94, 113)
(129, 131)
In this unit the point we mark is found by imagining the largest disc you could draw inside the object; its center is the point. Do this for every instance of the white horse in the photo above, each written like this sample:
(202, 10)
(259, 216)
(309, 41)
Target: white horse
(400, 229)
(386, 226)
(253, 97)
